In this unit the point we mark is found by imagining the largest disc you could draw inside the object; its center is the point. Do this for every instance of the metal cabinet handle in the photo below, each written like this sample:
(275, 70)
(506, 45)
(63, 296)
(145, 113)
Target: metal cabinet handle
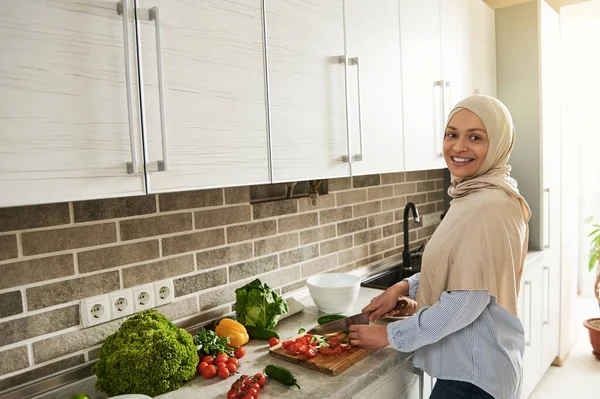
(528, 340)
(439, 135)
(123, 9)
(343, 59)
(547, 320)
(154, 15)
(358, 157)
(547, 243)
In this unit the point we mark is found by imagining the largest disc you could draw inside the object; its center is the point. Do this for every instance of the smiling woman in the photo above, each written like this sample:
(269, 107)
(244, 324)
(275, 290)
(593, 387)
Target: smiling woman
(465, 144)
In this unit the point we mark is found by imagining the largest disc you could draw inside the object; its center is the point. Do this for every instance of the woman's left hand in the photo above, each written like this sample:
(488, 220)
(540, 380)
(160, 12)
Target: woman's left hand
(371, 337)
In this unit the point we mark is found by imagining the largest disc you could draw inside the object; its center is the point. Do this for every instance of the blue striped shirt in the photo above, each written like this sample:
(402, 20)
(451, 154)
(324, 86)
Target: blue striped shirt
(465, 336)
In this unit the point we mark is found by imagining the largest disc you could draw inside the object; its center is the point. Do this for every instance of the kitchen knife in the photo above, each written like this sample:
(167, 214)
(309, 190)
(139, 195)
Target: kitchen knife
(341, 324)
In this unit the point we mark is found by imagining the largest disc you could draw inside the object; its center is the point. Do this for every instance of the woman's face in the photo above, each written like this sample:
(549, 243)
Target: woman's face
(465, 144)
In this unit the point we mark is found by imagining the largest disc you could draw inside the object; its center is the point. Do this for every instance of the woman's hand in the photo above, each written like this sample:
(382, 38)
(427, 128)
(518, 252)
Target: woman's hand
(371, 337)
(387, 301)
(410, 309)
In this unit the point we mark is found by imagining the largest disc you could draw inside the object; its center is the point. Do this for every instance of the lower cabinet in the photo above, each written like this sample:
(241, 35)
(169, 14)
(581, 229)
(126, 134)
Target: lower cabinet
(397, 383)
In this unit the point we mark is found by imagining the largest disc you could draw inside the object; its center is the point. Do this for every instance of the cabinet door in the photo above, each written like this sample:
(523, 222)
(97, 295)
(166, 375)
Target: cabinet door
(375, 90)
(307, 89)
(483, 48)
(422, 93)
(456, 50)
(531, 317)
(208, 127)
(68, 116)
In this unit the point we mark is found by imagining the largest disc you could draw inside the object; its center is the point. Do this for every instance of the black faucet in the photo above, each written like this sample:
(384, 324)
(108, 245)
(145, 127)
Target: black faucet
(405, 252)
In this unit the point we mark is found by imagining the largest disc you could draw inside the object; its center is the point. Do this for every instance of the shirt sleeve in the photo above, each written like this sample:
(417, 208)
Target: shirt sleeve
(413, 285)
(454, 311)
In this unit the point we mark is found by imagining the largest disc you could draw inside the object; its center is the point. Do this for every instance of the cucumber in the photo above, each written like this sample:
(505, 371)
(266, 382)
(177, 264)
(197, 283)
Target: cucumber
(261, 333)
(281, 374)
(330, 317)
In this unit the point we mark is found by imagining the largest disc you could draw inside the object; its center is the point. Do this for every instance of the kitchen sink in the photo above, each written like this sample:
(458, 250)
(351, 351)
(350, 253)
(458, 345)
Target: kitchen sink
(396, 273)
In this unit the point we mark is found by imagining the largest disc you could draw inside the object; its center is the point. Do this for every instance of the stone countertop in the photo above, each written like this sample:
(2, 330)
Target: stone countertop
(313, 383)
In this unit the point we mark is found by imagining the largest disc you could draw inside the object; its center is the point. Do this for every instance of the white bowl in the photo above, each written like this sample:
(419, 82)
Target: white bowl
(334, 292)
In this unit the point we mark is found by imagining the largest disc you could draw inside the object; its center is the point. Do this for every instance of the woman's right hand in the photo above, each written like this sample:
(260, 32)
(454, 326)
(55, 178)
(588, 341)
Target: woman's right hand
(387, 301)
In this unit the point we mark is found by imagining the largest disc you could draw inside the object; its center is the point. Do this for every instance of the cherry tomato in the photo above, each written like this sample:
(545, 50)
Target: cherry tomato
(232, 394)
(314, 343)
(326, 351)
(287, 344)
(260, 379)
(307, 337)
(333, 343)
(303, 349)
(209, 371)
(231, 367)
(221, 365)
(223, 372)
(253, 392)
(237, 384)
(337, 350)
(301, 341)
(345, 347)
(209, 359)
(240, 352)
(201, 366)
(233, 360)
(222, 357)
(273, 341)
(312, 352)
(256, 386)
(246, 388)
(248, 396)
(244, 377)
(292, 350)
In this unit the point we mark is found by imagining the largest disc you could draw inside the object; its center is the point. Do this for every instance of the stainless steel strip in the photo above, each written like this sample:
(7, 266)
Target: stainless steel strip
(547, 321)
(267, 92)
(528, 340)
(439, 135)
(154, 15)
(343, 59)
(138, 42)
(360, 156)
(549, 235)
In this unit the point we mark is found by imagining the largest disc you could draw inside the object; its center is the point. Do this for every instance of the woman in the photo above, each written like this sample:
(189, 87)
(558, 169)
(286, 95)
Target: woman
(466, 332)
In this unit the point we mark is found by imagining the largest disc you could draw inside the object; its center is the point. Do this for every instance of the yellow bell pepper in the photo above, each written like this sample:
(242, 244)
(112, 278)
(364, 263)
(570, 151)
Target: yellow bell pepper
(233, 330)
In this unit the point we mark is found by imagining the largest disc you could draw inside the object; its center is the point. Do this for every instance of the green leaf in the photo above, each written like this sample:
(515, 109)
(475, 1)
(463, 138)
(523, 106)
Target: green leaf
(594, 232)
(594, 256)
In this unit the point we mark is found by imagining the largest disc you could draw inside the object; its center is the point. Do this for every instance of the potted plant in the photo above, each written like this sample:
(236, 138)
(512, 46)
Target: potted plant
(593, 325)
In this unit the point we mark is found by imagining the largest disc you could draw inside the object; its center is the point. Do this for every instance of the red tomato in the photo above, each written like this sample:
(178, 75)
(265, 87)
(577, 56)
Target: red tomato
(256, 386)
(337, 350)
(209, 371)
(232, 368)
(209, 359)
(260, 379)
(312, 352)
(333, 343)
(223, 372)
(303, 349)
(232, 394)
(345, 347)
(315, 343)
(301, 341)
(201, 366)
(287, 344)
(273, 341)
(326, 351)
(233, 360)
(253, 392)
(222, 357)
(221, 365)
(307, 337)
(240, 352)
(248, 396)
(292, 350)
(237, 384)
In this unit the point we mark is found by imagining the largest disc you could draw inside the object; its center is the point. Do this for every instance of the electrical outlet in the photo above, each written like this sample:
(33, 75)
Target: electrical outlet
(121, 304)
(94, 310)
(143, 297)
(163, 292)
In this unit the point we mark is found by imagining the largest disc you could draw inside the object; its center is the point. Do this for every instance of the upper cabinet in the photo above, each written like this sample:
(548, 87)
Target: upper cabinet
(483, 48)
(69, 119)
(204, 108)
(306, 70)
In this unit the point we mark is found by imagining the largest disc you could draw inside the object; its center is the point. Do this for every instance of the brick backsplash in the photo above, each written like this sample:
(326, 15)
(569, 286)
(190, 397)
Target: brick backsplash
(210, 242)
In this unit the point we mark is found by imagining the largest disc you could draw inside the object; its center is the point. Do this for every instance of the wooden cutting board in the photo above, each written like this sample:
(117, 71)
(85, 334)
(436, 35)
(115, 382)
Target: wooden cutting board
(332, 365)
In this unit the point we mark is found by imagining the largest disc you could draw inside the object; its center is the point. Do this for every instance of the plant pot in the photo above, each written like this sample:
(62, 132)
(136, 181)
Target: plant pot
(593, 325)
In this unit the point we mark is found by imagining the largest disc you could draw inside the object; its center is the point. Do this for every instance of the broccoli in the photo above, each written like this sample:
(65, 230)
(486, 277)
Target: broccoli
(148, 355)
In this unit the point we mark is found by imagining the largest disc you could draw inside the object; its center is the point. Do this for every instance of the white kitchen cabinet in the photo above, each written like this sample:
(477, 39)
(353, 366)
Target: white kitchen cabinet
(375, 88)
(204, 93)
(307, 95)
(69, 108)
(397, 383)
(483, 48)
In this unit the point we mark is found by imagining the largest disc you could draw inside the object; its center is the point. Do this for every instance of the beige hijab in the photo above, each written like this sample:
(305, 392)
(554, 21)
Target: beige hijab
(482, 242)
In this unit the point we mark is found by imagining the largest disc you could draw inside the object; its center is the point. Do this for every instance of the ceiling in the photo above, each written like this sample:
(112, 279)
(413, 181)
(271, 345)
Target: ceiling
(556, 4)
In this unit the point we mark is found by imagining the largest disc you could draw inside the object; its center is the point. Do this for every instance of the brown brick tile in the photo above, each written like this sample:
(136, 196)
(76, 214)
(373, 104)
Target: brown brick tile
(391, 178)
(223, 256)
(336, 245)
(336, 215)
(435, 174)
(351, 197)
(393, 203)
(392, 229)
(417, 243)
(367, 236)
(369, 260)
(193, 241)
(199, 282)
(275, 244)
(368, 208)
(281, 277)
(380, 192)
(413, 236)
(392, 252)
(34, 270)
(205, 318)
(416, 175)
(274, 208)
(344, 183)
(351, 226)
(8, 247)
(439, 206)
(417, 198)
(251, 230)
(237, 195)
(11, 304)
(366, 181)
(40, 372)
(53, 347)
(319, 265)
(439, 184)
(39, 242)
(94, 354)
(252, 268)
(110, 208)
(13, 359)
(318, 234)
(400, 241)
(426, 209)
(298, 222)
(404, 188)
(39, 324)
(154, 226)
(105, 258)
(160, 270)
(293, 287)
(352, 255)
(381, 246)
(180, 308)
(426, 232)
(323, 202)
(29, 217)
(423, 186)
(190, 199)
(298, 255)
(435, 196)
(71, 290)
(223, 216)
(380, 219)
(343, 269)
(218, 297)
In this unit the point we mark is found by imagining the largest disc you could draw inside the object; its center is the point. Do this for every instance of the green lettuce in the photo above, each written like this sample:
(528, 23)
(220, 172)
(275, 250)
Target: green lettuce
(257, 305)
